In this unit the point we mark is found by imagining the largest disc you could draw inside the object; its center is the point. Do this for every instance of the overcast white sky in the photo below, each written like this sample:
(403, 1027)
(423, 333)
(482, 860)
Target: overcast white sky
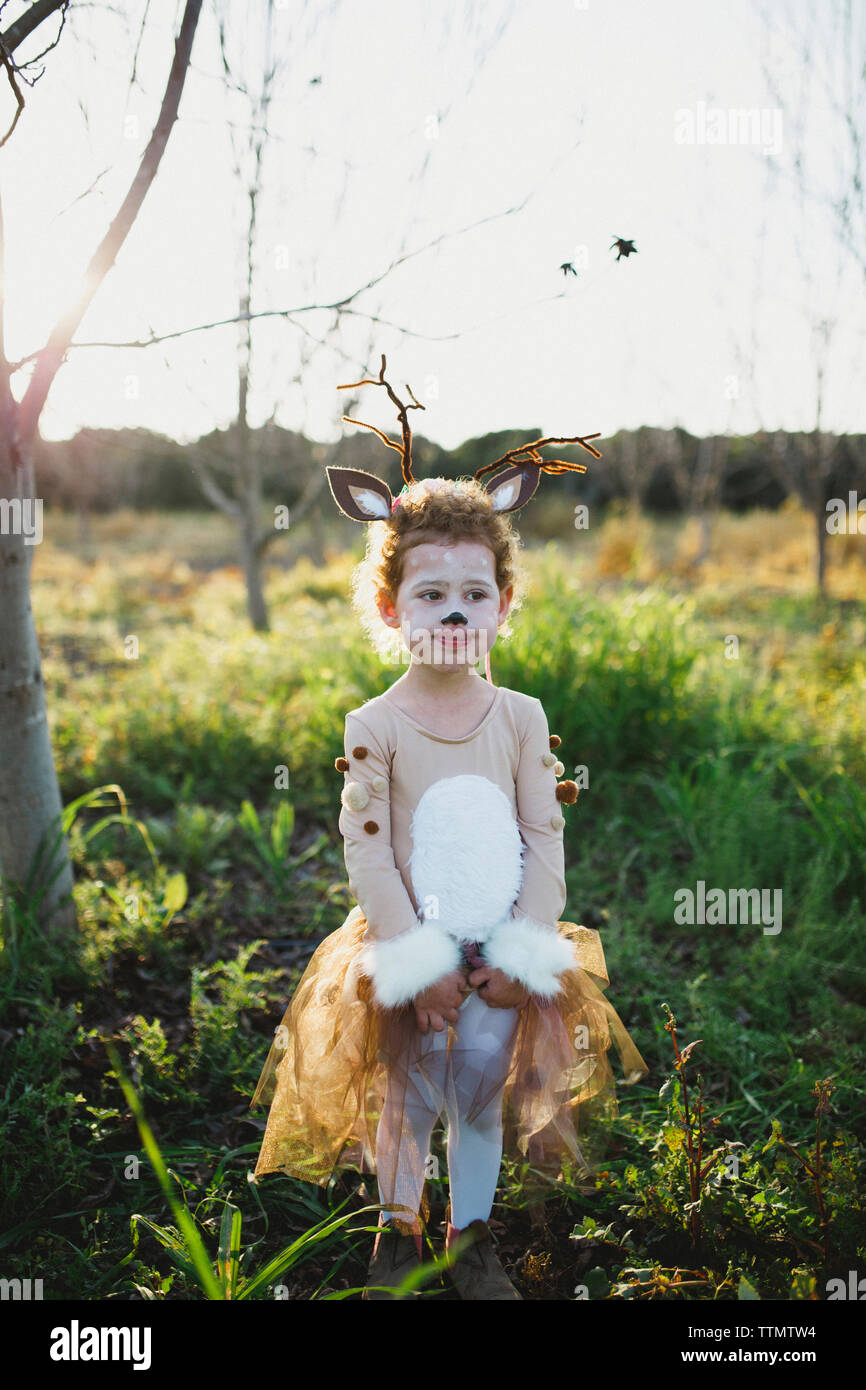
(431, 115)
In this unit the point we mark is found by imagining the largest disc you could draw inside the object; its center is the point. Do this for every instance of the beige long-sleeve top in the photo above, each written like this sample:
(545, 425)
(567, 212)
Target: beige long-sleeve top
(395, 759)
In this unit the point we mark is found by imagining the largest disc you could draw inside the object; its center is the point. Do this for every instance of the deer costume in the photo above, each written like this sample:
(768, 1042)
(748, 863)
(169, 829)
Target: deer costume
(454, 855)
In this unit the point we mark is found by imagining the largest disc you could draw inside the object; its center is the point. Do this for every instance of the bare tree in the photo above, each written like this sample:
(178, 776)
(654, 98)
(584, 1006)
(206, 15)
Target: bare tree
(697, 480)
(803, 464)
(230, 476)
(34, 858)
(831, 49)
(637, 463)
(239, 495)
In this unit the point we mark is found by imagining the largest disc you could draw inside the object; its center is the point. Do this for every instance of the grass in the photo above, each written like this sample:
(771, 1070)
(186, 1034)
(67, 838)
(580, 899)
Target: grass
(716, 718)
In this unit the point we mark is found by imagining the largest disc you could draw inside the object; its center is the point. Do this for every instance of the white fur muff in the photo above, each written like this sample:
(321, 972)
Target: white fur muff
(467, 870)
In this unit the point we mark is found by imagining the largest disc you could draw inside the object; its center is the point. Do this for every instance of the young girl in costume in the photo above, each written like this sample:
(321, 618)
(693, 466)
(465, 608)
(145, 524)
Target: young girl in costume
(452, 986)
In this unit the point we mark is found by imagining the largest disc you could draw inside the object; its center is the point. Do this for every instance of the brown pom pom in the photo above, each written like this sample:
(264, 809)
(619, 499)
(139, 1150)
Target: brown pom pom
(555, 741)
(359, 752)
(341, 764)
(567, 792)
(371, 827)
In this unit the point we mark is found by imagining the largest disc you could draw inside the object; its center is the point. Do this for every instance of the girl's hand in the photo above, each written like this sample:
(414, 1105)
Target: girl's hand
(497, 989)
(439, 1004)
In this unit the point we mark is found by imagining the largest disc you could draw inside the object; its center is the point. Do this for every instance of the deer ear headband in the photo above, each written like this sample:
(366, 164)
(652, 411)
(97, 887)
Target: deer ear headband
(364, 497)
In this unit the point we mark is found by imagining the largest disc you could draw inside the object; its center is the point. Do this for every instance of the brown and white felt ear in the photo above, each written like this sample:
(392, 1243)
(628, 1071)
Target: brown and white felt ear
(362, 496)
(513, 488)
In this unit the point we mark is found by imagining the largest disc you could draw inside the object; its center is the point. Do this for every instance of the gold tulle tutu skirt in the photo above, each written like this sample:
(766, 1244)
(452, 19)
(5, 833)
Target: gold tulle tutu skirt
(336, 1054)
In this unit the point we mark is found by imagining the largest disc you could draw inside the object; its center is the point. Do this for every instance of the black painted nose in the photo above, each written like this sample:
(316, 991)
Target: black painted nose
(454, 618)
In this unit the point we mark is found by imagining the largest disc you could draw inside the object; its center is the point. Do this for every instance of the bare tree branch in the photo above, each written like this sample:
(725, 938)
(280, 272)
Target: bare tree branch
(211, 487)
(17, 32)
(288, 315)
(338, 305)
(49, 359)
(21, 28)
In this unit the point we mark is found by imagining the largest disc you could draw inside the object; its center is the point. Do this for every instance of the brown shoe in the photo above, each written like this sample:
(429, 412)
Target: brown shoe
(477, 1272)
(395, 1256)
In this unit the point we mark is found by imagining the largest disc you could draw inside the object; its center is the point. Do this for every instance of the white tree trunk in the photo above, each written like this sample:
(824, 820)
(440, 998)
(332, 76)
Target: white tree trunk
(30, 805)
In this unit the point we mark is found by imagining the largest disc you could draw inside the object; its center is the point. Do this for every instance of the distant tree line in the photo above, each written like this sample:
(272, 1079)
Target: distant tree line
(664, 471)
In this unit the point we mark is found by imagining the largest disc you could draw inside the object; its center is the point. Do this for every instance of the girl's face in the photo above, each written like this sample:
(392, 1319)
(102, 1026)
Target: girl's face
(453, 581)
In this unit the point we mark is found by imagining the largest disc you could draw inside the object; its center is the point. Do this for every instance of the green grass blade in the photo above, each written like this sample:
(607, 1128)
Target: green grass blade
(195, 1245)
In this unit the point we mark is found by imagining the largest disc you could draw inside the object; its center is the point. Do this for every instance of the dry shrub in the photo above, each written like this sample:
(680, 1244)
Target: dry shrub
(623, 545)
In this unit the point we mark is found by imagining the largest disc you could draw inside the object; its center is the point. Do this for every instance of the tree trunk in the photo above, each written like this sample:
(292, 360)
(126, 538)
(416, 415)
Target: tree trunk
(30, 805)
(821, 548)
(706, 524)
(251, 558)
(702, 489)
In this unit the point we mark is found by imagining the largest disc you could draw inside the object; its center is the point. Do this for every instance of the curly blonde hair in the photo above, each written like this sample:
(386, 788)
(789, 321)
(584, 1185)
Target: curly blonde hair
(432, 510)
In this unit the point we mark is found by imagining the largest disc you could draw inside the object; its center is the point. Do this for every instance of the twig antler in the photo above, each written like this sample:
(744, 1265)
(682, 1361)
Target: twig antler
(404, 449)
(528, 453)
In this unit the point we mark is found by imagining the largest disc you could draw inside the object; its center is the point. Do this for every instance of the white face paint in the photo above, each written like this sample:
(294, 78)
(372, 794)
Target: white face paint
(441, 578)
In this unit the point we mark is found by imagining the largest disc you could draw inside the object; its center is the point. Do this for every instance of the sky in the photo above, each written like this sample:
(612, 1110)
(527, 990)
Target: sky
(429, 120)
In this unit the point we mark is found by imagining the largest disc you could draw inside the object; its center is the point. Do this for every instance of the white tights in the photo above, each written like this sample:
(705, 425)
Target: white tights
(475, 1069)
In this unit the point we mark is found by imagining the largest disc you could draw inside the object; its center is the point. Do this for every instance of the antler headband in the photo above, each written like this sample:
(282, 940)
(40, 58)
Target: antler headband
(364, 497)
